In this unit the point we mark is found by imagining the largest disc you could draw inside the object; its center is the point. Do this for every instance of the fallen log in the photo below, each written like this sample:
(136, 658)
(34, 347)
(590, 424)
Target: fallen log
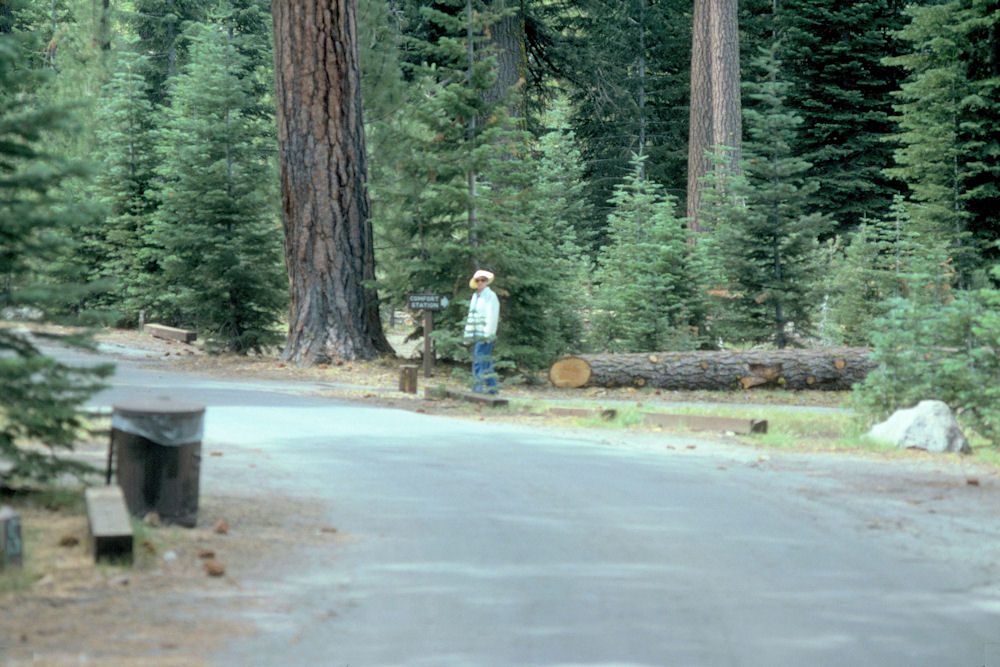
(830, 369)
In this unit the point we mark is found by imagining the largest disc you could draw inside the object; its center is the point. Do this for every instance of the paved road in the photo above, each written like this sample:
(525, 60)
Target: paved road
(482, 544)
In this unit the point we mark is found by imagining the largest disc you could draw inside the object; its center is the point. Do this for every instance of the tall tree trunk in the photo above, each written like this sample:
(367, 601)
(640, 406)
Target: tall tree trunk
(509, 43)
(700, 109)
(726, 104)
(329, 246)
(715, 95)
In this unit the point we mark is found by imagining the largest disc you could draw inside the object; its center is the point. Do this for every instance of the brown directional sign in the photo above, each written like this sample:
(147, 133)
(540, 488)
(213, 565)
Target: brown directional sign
(428, 302)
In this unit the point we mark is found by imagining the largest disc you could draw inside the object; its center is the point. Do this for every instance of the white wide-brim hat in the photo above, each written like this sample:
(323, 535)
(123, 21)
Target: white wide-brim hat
(481, 273)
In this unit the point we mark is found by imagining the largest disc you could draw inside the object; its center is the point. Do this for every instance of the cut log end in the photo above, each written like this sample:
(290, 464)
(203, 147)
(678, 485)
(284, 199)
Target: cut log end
(570, 372)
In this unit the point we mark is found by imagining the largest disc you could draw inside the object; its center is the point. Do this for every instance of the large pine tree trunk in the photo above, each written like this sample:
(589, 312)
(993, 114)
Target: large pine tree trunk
(700, 109)
(329, 245)
(828, 369)
(715, 106)
(509, 44)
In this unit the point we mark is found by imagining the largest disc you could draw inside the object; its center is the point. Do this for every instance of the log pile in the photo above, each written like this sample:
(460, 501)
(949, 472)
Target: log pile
(830, 369)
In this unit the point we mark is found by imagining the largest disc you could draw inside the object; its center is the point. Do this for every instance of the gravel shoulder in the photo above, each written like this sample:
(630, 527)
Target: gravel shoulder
(168, 609)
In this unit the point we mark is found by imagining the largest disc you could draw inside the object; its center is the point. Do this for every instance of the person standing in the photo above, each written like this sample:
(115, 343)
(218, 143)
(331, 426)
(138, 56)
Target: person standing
(481, 330)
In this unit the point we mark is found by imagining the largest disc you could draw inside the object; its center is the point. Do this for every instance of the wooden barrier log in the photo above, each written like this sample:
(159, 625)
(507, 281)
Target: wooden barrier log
(171, 333)
(830, 369)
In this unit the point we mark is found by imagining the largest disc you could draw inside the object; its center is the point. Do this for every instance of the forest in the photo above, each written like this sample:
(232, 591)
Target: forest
(853, 202)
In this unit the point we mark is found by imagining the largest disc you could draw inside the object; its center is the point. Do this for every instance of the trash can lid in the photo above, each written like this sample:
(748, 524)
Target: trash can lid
(158, 405)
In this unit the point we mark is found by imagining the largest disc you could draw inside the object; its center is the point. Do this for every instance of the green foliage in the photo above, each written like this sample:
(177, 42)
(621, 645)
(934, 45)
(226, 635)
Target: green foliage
(124, 183)
(38, 395)
(650, 292)
(833, 56)
(949, 116)
(940, 348)
(869, 272)
(628, 99)
(159, 26)
(468, 191)
(765, 239)
(217, 222)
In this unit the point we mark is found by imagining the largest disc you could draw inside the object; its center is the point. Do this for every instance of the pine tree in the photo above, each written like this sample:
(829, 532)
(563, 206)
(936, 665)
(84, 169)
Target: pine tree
(950, 128)
(125, 132)
(628, 99)
(216, 223)
(430, 222)
(38, 395)
(872, 271)
(769, 246)
(833, 53)
(650, 293)
(467, 196)
(160, 27)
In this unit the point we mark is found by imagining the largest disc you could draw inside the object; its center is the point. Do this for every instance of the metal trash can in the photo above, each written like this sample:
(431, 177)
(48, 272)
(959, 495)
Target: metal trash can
(157, 442)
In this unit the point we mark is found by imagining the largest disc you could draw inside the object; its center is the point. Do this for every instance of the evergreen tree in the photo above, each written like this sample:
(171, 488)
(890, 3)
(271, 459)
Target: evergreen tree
(467, 196)
(650, 291)
(532, 244)
(628, 99)
(432, 197)
(833, 53)
(160, 26)
(38, 395)
(870, 273)
(125, 132)
(949, 137)
(768, 247)
(216, 223)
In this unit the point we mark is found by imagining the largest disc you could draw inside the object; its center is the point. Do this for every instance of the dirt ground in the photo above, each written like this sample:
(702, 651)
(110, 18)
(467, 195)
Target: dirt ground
(168, 607)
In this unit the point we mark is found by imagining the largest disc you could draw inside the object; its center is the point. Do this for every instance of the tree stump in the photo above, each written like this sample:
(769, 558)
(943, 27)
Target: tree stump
(830, 369)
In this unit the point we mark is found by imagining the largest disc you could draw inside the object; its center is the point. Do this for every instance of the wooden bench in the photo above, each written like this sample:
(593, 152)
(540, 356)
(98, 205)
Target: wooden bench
(171, 333)
(108, 519)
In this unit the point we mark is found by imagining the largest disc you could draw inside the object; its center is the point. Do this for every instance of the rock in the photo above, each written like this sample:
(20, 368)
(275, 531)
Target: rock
(930, 426)
(214, 568)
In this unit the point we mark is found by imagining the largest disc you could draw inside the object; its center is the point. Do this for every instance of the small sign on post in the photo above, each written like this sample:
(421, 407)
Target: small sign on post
(11, 546)
(428, 303)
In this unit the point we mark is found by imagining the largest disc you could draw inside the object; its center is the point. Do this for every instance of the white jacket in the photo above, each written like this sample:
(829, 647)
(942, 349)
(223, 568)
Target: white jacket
(484, 315)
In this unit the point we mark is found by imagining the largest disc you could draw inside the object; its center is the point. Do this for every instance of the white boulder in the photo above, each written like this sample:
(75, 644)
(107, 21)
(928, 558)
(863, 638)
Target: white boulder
(929, 425)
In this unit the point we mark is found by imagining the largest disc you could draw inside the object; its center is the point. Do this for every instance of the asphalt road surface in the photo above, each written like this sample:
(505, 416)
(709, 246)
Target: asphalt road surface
(475, 543)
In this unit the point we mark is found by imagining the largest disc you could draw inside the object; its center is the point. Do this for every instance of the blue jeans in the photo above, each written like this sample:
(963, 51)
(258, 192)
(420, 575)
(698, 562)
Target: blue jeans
(482, 367)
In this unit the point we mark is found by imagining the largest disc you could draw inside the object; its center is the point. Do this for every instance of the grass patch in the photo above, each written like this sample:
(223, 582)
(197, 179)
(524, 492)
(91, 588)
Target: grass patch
(34, 506)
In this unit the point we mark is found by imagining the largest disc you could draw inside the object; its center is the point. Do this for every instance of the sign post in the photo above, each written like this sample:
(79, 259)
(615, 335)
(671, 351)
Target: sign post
(11, 547)
(428, 303)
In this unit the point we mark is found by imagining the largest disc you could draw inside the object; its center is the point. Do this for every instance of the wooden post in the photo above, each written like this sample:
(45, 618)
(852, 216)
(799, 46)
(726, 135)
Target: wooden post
(428, 343)
(11, 546)
(408, 379)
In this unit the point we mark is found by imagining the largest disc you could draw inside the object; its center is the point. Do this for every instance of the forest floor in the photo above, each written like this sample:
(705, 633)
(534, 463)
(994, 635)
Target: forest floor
(169, 606)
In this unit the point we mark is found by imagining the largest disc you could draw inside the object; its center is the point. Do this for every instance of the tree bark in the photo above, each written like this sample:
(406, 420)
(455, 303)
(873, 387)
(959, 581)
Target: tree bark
(329, 247)
(727, 125)
(700, 109)
(715, 107)
(833, 369)
(509, 43)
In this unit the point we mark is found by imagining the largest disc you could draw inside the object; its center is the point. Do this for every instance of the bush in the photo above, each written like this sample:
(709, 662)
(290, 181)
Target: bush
(949, 352)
